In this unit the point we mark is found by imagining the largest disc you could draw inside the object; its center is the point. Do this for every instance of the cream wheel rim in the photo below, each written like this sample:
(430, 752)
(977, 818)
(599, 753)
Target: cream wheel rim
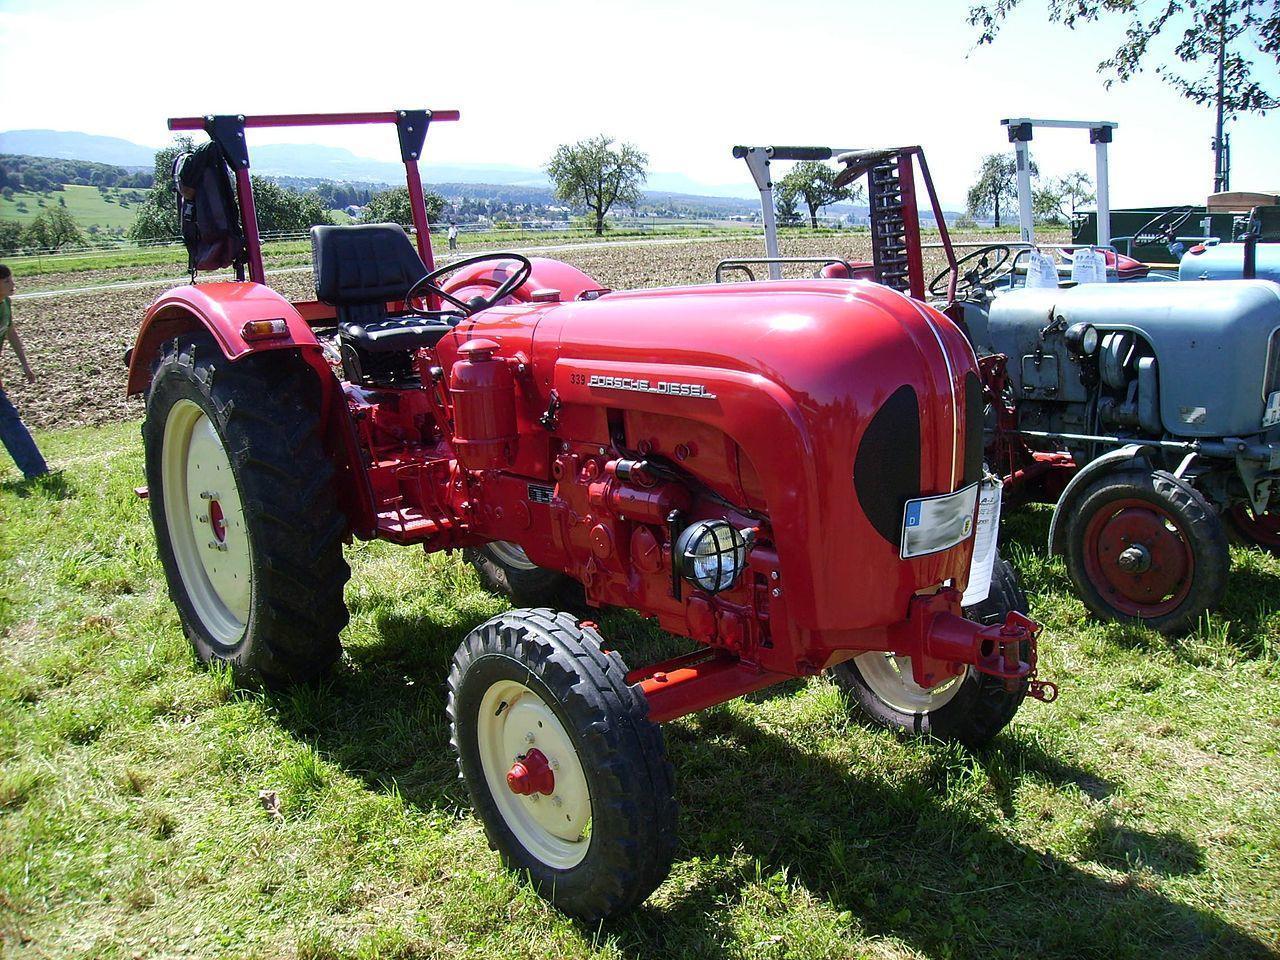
(206, 525)
(512, 554)
(889, 678)
(554, 828)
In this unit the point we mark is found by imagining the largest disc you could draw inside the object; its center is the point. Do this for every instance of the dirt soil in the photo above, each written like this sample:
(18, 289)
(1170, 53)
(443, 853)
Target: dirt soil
(76, 341)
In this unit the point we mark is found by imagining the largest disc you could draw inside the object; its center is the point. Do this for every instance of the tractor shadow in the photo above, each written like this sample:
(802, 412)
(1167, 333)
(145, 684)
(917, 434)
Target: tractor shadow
(905, 861)
(900, 856)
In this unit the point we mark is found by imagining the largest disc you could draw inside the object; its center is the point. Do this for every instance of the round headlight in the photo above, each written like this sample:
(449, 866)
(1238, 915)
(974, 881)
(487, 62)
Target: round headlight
(711, 554)
(1082, 338)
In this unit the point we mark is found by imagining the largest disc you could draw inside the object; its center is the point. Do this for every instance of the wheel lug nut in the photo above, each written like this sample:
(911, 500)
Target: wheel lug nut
(557, 801)
(528, 737)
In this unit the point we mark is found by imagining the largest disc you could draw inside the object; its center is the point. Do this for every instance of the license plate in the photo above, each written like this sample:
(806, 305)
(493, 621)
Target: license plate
(933, 524)
(1272, 415)
(984, 543)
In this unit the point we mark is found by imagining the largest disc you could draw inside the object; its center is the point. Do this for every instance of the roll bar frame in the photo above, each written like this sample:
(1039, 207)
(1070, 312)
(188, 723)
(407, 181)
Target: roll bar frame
(227, 131)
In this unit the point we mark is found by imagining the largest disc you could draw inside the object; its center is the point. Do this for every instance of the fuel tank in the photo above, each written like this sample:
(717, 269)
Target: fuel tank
(846, 398)
(1225, 261)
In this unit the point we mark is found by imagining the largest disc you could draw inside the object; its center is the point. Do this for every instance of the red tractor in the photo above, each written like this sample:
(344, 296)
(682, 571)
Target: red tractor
(788, 474)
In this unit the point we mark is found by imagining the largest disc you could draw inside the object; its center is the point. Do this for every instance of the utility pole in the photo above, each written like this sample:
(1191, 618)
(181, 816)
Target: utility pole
(1221, 148)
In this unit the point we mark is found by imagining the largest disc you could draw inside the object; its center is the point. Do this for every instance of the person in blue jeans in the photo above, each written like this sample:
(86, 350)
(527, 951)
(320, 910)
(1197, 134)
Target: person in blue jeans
(13, 433)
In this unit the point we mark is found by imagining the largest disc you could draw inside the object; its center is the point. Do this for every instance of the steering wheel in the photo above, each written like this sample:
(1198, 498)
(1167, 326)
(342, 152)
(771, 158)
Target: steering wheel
(1167, 232)
(981, 273)
(430, 285)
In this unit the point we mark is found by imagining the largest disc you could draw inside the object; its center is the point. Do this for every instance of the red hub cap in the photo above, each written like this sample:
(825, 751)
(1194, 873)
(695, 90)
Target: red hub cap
(217, 521)
(1138, 558)
(1262, 528)
(531, 774)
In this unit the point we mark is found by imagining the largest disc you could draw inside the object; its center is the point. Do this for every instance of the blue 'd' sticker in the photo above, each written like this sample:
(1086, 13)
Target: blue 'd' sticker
(913, 513)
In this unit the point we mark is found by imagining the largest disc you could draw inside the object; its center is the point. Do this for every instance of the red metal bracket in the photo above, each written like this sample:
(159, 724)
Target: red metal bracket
(698, 680)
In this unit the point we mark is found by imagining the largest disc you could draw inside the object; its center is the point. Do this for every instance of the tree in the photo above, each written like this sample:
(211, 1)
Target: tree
(1215, 44)
(157, 218)
(1046, 203)
(12, 236)
(593, 174)
(1076, 188)
(53, 229)
(815, 184)
(392, 206)
(283, 211)
(997, 184)
(786, 200)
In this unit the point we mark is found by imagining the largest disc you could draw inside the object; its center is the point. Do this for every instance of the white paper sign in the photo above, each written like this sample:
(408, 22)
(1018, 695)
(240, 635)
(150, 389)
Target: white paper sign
(1042, 272)
(984, 543)
(1088, 266)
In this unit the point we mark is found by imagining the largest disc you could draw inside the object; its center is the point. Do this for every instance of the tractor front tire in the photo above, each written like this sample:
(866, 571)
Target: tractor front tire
(504, 568)
(1261, 530)
(247, 523)
(1146, 547)
(970, 709)
(563, 766)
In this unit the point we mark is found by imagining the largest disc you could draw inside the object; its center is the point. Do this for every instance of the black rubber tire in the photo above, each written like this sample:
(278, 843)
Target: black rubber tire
(981, 708)
(526, 588)
(1198, 522)
(633, 826)
(1239, 533)
(265, 410)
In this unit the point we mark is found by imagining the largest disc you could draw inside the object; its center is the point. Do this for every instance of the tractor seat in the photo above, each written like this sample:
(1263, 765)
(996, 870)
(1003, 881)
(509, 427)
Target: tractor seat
(359, 270)
(407, 332)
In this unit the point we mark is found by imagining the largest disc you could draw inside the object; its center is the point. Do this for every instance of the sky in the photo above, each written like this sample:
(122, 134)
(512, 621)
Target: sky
(682, 79)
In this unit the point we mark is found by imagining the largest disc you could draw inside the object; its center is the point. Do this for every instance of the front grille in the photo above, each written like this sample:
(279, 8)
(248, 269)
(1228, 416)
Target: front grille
(974, 418)
(886, 470)
(1271, 379)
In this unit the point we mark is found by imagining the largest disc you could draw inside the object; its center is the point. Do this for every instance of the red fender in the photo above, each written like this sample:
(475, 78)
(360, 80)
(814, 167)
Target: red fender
(223, 309)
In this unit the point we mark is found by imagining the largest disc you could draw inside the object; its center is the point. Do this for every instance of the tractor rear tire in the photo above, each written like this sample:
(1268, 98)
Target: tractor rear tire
(971, 709)
(1146, 547)
(247, 522)
(535, 686)
(504, 568)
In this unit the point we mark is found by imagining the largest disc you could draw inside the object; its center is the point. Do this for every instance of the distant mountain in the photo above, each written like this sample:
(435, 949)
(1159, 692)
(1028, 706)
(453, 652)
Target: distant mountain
(66, 145)
(327, 163)
(339, 164)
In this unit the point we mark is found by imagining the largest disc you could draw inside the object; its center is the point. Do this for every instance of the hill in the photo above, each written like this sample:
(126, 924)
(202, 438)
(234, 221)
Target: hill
(44, 173)
(71, 145)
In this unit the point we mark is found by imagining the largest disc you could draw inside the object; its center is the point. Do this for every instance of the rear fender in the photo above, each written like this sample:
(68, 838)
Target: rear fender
(1133, 454)
(222, 310)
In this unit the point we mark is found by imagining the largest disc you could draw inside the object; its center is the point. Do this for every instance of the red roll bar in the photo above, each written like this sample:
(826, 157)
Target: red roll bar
(228, 132)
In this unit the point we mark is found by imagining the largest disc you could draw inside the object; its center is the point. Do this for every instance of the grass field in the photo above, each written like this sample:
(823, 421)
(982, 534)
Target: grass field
(293, 252)
(87, 205)
(1134, 818)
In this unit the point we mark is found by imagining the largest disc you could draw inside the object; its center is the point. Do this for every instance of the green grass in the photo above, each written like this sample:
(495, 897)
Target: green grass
(1136, 817)
(87, 205)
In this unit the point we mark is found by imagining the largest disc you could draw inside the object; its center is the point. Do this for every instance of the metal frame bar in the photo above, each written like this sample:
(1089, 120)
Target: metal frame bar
(228, 131)
(758, 159)
(1021, 130)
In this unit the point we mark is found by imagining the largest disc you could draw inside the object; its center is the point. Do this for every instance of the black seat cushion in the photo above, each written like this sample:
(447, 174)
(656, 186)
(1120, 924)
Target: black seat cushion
(366, 263)
(386, 335)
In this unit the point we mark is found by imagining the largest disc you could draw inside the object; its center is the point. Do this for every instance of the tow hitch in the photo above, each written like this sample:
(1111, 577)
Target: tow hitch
(942, 644)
